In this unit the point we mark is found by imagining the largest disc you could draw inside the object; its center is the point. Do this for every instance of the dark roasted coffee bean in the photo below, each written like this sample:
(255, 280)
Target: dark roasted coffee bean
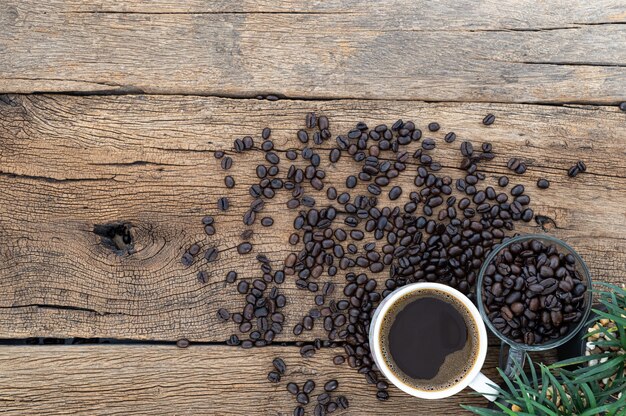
(223, 314)
(573, 171)
(244, 248)
(279, 365)
(302, 398)
(467, 149)
(267, 146)
(428, 144)
(521, 168)
(331, 385)
(292, 388)
(342, 401)
(308, 387)
(433, 126)
(513, 163)
(503, 181)
(267, 221)
(395, 193)
(351, 181)
(229, 181)
(450, 137)
(517, 190)
(182, 343)
(218, 154)
(382, 395)
(298, 411)
(227, 163)
(543, 183)
(211, 254)
(489, 119)
(338, 360)
(273, 377)
(222, 204)
(303, 136)
(203, 277)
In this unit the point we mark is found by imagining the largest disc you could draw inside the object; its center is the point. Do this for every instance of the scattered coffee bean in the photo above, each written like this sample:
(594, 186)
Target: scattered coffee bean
(543, 183)
(279, 365)
(244, 248)
(433, 126)
(489, 119)
(227, 163)
(273, 377)
(222, 204)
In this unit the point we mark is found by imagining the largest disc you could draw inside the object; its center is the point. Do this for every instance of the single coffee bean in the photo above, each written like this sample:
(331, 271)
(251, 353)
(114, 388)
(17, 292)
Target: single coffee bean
(309, 386)
(223, 314)
(229, 181)
(467, 149)
(244, 248)
(450, 137)
(543, 183)
(433, 126)
(182, 343)
(227, 163)
(292, 388)
(517, 190)
(273, 377)
(331, 385)
(338, 360)
(489, 119)
(203, 277)
(222, 204)
(211, 254)
(279, 365)
(573, 171)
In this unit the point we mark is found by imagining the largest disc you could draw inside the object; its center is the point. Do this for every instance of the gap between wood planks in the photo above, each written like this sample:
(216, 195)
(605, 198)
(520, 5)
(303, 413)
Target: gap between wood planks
(131, 90)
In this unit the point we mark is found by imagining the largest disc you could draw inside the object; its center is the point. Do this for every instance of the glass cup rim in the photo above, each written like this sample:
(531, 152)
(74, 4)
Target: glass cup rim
(588, 294)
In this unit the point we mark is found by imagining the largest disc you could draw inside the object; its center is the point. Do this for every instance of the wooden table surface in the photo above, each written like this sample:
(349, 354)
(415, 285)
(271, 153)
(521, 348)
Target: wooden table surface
(113, 112)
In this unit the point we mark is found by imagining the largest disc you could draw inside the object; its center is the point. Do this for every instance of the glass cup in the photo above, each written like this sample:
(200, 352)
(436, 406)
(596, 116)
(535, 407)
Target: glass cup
(517, 351)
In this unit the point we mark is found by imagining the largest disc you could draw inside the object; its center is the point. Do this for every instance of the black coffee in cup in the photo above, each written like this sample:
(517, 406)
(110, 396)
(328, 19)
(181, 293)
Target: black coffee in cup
(429, 340)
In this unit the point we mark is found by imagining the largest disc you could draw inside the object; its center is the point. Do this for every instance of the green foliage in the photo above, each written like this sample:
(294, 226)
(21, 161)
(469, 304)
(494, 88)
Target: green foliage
(557, 390)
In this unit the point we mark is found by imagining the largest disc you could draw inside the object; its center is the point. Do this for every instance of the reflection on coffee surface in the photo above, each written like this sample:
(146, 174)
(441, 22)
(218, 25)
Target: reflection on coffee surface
(429, 340)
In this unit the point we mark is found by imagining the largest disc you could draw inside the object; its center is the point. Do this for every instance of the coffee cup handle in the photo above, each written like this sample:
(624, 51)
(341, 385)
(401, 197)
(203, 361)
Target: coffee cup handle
(483, 385)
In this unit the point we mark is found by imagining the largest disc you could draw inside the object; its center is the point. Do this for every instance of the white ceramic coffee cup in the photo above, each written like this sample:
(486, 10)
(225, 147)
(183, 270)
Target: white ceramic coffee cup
(474, 378)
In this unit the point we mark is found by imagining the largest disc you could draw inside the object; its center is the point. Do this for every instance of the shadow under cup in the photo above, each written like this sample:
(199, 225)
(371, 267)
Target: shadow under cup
(514, 362)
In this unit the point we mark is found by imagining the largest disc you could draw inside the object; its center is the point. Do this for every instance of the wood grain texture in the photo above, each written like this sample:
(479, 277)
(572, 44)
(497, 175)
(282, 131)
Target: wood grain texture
(494, 51)
(69, 163)
(200, 380)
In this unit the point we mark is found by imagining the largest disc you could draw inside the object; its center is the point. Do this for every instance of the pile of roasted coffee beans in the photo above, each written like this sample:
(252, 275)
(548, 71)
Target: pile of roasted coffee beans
(441, 230)
(533, 293)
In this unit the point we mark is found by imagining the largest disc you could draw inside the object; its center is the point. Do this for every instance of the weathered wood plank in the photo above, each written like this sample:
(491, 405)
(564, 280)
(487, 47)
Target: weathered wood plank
(69, 163)
(442, 51)
(165, 380)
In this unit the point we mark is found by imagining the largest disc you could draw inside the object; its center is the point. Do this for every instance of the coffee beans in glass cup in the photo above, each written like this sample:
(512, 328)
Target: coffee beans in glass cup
(534, 293)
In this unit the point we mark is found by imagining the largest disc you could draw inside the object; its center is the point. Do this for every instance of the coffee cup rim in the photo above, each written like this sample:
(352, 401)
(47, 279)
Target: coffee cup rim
(375, 328)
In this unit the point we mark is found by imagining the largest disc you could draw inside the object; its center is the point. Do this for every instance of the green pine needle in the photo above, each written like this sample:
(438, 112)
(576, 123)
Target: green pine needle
(579, 391)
